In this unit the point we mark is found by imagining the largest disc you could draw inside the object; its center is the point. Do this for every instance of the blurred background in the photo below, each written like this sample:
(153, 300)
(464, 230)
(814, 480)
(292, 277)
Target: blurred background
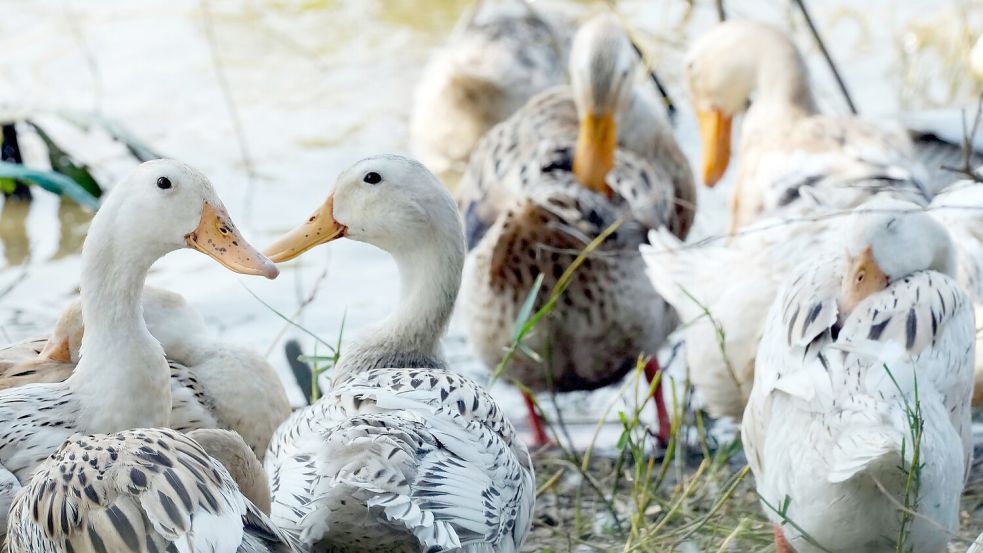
(272, 99)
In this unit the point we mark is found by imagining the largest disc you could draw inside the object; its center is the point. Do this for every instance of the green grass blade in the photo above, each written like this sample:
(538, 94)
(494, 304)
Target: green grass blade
(62, 163)
(51, 181)
(527, 306)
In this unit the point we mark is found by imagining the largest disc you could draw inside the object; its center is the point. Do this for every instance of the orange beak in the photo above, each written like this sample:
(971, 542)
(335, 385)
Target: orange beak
(863, 279)
(715, 138)
(594, 157)
(217, 237)
(320, 228)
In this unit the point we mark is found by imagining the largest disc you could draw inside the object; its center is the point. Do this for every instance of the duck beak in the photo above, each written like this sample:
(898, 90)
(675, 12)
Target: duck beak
(715, 136)
(320, 228)
(864, 278)
(594, 158)
(219, 239)
(56, 349)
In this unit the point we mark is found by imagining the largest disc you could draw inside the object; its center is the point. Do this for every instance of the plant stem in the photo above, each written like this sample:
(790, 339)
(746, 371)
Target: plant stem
(829, 59)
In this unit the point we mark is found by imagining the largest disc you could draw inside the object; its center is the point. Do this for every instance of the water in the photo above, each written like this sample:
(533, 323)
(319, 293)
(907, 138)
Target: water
(318, 84)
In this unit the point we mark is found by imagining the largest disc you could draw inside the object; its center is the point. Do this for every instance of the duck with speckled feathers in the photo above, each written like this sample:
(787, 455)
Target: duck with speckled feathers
(401, 454)
(544, 183)
(148, 490)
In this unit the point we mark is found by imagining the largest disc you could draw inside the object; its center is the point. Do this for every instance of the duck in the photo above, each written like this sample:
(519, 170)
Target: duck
(861, 341)
(959, 207)
(147, 489)
(545, 182)
(788, 150)
(496, 58)
(122, 380)
(226, 384)
(401, 453)
(722, 291)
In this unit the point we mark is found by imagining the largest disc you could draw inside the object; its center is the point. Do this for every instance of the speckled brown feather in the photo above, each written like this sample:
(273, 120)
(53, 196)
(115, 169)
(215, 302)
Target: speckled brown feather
(526, 214)
(141, 491)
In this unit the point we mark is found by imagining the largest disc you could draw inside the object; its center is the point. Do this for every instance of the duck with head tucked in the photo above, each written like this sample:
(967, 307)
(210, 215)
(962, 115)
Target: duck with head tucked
(214, 383)
(122, 379)
(544, 183)
(867, 356)
(401, 454)
(789, 151)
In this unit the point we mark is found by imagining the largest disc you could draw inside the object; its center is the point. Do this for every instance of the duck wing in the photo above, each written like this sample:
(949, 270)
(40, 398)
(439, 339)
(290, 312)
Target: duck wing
(143, 491)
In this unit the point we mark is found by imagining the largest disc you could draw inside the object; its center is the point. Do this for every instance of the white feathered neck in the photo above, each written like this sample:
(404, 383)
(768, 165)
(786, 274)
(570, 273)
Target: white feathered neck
(430, 260)
(122, 378)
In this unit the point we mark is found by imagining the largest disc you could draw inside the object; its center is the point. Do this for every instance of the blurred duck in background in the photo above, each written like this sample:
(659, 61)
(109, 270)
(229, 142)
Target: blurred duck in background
(542, 185)
(789, 152)
(498, 56)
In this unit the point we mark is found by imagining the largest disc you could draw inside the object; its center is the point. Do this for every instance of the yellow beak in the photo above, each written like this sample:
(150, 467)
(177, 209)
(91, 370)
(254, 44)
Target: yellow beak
(715, 136)
(320, 228)
(219, 239)
(864, 279)
(594, 157)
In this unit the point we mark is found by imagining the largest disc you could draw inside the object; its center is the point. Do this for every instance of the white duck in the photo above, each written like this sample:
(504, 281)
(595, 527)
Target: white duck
(828, 426)
(401, 454)
(213, 382)
(788, 150)
(722, 293)
(147, 490)
(497, 57)
(122, 379)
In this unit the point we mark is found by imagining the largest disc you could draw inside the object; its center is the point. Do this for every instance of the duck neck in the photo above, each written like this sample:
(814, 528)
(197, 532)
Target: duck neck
(430, 277)
(782, 91)
(122, 379)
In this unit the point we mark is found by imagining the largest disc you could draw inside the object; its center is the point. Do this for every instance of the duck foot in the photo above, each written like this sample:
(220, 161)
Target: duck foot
(652, 369)
(781, 544)
(539, 436)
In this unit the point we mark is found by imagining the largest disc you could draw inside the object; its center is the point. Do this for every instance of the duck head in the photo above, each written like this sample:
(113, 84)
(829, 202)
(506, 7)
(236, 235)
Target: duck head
(602, 66)
(887, 240)
(165, 205)
(725, 67)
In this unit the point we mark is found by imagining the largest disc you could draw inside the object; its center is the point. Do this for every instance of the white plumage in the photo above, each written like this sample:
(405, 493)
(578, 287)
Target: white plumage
(827, 423)
(122, 380)
(400, 454)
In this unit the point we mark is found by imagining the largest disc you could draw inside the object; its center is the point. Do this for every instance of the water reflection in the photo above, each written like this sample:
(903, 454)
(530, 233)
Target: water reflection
(74, 221)
(13, 231)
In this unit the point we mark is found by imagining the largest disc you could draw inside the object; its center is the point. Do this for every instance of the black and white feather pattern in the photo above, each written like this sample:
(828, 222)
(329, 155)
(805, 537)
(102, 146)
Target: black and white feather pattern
(402, 460)
(141, 491)
(828, 420)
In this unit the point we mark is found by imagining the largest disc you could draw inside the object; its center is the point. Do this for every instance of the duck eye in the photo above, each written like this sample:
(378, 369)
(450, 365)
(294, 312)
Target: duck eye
(163, 183)
(372, 177)
(860, 277)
